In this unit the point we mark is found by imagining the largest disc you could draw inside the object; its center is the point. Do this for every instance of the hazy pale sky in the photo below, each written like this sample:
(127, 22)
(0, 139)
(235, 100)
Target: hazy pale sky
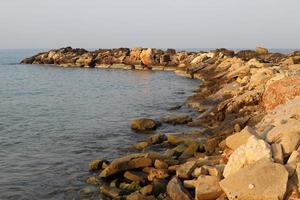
(149, 23)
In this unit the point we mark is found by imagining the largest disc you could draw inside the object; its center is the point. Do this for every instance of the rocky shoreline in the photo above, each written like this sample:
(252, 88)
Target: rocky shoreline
(249, 107)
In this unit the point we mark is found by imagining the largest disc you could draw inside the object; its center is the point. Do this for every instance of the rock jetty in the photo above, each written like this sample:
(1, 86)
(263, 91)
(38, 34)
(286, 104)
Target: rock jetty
(249, 106)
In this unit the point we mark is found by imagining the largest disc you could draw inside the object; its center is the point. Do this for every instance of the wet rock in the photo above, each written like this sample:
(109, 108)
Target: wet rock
(236, 140)
(112, 193)
(176, 119)
(144, 124)
(254, 150)
(176, 190)
(261, 180)
(279, 92)
(208, 188)
(133, 186)
(141, 145)
(132, 161)
(92, 180)
(95, 165)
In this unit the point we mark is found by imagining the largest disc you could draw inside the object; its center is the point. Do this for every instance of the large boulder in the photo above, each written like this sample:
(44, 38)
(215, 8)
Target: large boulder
(258, 181)
(176, 191)
(247, 54)
(287, 134)
(208, 188)
(144, 124)
(261, 50)
(236, 140)
(132, 161)
(247, 154)
(147, 57)
(260, 77)
(279, 92)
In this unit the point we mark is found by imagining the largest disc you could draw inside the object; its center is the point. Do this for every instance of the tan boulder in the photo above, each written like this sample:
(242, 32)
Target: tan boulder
(247, 154)
(132, 161)
(261, 50)
(147, 57)
(144, 124)
(185, 170)
(260, 77)
(237, 139)
(292, 162)
(279, 92)
(258, 181)
(287, 134)
(207, 188)
(176, 191)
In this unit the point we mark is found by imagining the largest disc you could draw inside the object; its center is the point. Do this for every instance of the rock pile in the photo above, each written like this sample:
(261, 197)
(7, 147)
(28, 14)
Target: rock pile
(249, 107)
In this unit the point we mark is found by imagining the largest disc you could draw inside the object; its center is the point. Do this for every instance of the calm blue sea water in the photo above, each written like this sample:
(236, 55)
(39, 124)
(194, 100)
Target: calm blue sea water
(53, 121)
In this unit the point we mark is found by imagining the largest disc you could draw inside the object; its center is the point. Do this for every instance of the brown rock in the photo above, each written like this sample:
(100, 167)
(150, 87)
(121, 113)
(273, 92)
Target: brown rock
(135, 176)
(261, 180)
(139, 196)
(279, 92)
(277, 153)
(132, 161)
(185, 170)
(157, 174)
(208, 188)
(176, 190)
(246, 54)
(237, 139)
(176, 119)
(261, 50)
(146, 189)
(143, 124)
(160, 164)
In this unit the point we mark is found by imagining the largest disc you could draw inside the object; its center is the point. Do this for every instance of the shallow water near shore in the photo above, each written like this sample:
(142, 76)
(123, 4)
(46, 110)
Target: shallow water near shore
(53, 121)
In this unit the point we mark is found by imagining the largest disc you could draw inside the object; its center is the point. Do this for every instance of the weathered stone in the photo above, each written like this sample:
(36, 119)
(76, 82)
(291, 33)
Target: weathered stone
(160, 164)
(185, 170)
(95, 165)
(261, 180)
(133, 186)
(146, 189)
(237, 139)
(292, 162)
(277, 153)
(199, 171)
(157, 174)
(139, 196)
(132, 161)
(110, 192)
(287, 134)
(246, 54)
(93, 180)
(261, 50)
(176, 119)
(260, 77)
(247, 154)
(141, 145)
(176, 190)
(135, 176)
(189, 183)
(208, 188)
(281, 91)
(191, 149)
(147, 57)
(143, 124)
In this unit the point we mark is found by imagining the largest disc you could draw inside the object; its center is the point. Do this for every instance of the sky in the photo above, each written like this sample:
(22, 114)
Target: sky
(149, 23)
